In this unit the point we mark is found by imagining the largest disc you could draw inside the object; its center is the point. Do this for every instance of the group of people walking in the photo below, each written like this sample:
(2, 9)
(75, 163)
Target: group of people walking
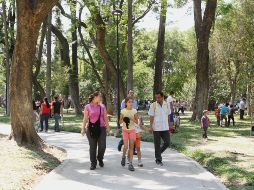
(96, 122)
(45, 110)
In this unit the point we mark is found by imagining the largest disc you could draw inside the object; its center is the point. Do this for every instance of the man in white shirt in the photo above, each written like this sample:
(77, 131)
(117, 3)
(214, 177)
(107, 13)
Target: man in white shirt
(242, 108)
(159, 125)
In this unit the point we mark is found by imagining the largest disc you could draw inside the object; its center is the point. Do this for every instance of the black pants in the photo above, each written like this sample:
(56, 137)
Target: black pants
(159, 149)
(223, 117)
(241, 114)
(93, 143)
(44, 118)
(233, 119)
(205, 133)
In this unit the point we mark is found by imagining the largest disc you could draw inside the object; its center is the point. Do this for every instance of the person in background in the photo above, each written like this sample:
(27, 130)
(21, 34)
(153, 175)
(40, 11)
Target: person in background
(217, 115)
(36, 117)
(177, 121)
(45, 114)
(242, 108)
(95, 113)
(205, 123)
(223, 114)
(128, 119)
(57, 113)
(231, 113)
(171, 107)
(159, 125)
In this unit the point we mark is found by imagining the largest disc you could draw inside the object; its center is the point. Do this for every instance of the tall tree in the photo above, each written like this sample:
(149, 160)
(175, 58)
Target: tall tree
(74, 82)
(30, 15)
(7, 56)
(160, 48)
(49, 57)
(130, 47)
(203, 25)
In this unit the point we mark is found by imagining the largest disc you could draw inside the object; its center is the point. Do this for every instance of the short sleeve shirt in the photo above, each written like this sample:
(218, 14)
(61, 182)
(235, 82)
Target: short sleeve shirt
(170, 100)
(160, 114)
(94, 112)
(129, 113)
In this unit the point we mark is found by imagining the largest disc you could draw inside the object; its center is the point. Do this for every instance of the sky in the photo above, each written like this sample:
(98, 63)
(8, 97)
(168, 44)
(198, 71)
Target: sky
(181, 18)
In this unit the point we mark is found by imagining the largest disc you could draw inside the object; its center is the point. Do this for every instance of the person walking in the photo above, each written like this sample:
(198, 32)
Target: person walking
(242, 108)
(123, 106)
(95, 124)
(159, 124)
(45, 114)
(57, 113)
(128, 119)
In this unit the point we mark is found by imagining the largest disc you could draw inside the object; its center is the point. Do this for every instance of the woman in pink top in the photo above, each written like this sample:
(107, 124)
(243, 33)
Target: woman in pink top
(95, 112)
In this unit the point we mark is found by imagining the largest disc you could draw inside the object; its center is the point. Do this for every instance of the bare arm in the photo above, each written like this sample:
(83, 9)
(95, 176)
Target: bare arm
(85, 119)
(121, 119)
(151, 122)
(106, 119)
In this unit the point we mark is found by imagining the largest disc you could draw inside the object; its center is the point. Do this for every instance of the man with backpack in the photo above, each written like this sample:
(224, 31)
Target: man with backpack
(57, 112)
(159, 124)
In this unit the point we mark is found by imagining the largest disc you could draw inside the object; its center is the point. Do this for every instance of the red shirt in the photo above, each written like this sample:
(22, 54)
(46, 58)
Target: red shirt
(45, 109)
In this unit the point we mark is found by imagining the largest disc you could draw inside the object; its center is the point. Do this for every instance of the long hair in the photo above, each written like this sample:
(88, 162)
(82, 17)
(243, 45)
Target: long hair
(47, 102)
(92, 96)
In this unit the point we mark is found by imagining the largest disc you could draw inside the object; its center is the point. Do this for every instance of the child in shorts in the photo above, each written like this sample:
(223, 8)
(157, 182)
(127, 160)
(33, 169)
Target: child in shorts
(128, 119)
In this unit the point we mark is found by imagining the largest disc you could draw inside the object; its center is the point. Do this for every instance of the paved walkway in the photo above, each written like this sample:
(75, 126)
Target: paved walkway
(178, 172)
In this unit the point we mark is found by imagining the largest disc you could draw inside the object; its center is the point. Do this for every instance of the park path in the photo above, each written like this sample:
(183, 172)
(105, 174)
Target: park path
(178, 173)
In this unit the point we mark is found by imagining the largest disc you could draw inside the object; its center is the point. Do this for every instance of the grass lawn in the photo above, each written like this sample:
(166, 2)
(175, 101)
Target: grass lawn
(22, 167)
(229, 152)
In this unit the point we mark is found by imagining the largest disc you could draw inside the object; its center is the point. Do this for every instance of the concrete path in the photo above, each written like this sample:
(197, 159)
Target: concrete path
(178, 172)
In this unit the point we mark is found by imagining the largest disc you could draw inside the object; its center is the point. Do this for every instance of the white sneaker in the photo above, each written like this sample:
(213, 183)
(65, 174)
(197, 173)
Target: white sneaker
(140, 164)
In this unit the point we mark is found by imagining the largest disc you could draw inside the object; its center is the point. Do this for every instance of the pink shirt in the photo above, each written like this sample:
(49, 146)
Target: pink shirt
(94, 112)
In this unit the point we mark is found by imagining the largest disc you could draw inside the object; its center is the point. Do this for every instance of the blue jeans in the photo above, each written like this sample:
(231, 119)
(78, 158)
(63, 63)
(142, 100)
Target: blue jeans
(44, 117)
(57, 118)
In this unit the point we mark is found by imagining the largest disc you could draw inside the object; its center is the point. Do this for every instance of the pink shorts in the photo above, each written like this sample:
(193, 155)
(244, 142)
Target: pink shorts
(129, 134)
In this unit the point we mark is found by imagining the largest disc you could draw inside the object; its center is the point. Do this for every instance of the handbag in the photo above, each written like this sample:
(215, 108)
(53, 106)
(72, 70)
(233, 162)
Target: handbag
(95, 128)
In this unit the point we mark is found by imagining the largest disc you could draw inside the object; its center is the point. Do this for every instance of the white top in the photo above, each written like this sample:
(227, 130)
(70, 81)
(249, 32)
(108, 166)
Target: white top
(169, 100)
(160, 114)
(242, 105)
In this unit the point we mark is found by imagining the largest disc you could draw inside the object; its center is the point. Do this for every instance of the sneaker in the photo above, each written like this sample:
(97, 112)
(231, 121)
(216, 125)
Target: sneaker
(159, 163)
(123, 161)
(131, 168)
(41, 130)
(101, 164)
(140, 164)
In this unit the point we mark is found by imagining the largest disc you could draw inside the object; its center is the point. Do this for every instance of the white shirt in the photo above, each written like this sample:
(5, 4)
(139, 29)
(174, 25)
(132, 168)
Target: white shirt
(242, 105)
(160, 114)
(169, 100)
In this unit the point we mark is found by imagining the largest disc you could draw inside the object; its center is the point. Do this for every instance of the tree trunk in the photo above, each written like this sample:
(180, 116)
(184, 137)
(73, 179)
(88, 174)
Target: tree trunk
(48, 71)
(203, 27)
(74, 82)
(30, 15)
(130, 48)
(7, 57)
(160, 49)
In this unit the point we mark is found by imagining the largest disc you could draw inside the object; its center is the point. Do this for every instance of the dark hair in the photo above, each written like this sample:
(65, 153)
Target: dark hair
(231, 105)
(56, 97)
(171, 92)
(47, 102)
(227, 104)
(34, 105)
(127, 100)
(160, 93)
(129, 91)
(92, 96)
